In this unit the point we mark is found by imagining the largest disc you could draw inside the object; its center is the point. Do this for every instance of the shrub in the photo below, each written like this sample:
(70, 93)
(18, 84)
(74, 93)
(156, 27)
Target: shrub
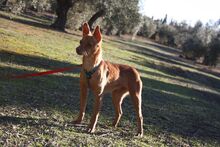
(213, 52)
(193, 48)
(166, 35)
(19, 6)
(148, 28)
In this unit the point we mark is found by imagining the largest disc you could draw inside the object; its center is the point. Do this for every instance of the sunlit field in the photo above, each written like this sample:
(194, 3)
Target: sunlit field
(181, 100)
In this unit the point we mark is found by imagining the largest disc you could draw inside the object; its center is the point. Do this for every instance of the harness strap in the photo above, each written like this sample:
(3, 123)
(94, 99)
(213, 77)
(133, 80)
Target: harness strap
(92, 71)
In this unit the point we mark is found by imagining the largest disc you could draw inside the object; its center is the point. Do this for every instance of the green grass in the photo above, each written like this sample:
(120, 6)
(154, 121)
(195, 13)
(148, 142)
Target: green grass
(181, 100)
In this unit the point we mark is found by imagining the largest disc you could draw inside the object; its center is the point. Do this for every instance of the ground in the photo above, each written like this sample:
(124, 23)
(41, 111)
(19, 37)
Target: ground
(181, 99)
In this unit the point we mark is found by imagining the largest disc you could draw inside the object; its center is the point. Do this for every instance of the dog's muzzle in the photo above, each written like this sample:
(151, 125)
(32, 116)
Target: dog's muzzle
(79, 51)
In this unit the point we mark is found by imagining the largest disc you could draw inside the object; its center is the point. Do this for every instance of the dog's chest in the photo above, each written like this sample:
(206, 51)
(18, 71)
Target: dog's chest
(98, 82)
(101, 84)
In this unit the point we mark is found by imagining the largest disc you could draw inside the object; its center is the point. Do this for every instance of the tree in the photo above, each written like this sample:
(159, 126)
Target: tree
(63, 7)
(3, 2)
(98, 14)
(213, 52)
(164, 20)
(117, 13)
(148, 27)
(193, 48)
(122, 15)
(197, 27)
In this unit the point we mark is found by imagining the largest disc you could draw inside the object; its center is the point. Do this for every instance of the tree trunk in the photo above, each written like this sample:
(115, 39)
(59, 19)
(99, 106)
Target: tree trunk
(119, 33)
(63, 7)
(3, 3)
(98, 14)
(137, 29)
(109, 30)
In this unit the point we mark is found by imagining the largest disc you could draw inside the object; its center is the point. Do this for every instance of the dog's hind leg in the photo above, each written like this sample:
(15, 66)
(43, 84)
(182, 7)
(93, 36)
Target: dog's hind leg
(135, 92)
(117, 98)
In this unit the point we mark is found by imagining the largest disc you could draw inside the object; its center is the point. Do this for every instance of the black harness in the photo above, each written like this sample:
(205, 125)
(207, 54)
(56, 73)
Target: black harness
(92, 71)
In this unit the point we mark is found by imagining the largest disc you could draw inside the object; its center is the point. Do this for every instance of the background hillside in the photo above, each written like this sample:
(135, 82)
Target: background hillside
(199, 42)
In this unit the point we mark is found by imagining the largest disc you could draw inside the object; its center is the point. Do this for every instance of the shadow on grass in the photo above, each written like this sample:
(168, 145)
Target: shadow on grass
(164, 48)
(135, 48)
(167, 107)
(26, 22)
(181, 110)
(51, 91)
(178, 109)
(35, 21)
(32, 61)
(5, 120)
(151, 53)
(159, 75)
(38, 16)
(194, 76)
(200, 78)
(55, 91)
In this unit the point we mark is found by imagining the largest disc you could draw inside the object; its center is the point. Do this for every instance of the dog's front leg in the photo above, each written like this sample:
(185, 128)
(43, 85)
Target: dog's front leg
(95, 115)
(83, 99)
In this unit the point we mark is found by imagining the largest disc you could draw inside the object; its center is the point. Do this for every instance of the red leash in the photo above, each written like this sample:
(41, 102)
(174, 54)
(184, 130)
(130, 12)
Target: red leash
(44, 73)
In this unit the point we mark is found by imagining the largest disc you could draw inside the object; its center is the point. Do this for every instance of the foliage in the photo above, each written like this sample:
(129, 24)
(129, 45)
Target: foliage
(78, 14)
(195, 41)
(19, 6)
(193, 48)
(119, 15)
(183, 33)
(166, 35)
(202, 41)
(213, 53)
(148, 28)
(42, 5)
(123, 15)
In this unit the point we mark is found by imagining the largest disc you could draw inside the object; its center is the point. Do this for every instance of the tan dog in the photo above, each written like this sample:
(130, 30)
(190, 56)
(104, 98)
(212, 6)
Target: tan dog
(101, 77)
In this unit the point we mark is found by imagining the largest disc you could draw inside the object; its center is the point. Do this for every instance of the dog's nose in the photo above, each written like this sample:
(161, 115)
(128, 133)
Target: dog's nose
(78, 50)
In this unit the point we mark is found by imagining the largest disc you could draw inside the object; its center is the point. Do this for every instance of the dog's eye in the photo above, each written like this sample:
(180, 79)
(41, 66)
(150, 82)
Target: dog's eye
(80, 41)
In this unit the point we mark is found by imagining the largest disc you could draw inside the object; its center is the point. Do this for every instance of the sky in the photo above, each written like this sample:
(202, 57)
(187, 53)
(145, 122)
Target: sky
(189, 10)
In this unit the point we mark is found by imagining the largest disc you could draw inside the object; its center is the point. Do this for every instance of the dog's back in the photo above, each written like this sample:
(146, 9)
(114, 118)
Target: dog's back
(121, 76)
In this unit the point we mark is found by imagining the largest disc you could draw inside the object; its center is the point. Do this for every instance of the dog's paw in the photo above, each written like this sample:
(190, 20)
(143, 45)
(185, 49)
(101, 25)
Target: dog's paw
(139, 134)
(77, 122)
(115, 125)
(90, 130)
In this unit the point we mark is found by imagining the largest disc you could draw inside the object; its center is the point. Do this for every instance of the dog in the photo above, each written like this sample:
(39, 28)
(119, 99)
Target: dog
(104, 77)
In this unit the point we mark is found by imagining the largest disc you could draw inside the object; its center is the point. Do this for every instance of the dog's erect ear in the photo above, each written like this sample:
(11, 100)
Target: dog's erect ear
(97, 34)
(85, 29)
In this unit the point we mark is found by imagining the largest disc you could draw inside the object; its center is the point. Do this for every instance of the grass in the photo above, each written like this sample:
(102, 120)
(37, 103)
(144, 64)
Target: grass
(181, 104)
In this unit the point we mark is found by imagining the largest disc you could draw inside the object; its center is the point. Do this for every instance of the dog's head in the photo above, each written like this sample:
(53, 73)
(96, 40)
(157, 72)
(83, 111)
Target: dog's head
(90, 42)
